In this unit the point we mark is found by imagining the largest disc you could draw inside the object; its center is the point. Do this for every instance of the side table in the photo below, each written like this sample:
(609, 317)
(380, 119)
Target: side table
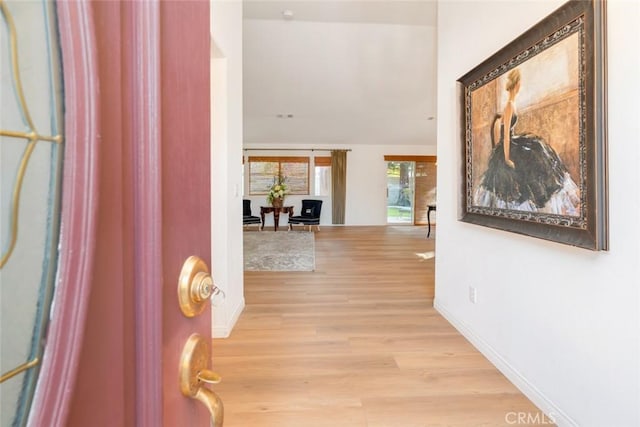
(276, 214)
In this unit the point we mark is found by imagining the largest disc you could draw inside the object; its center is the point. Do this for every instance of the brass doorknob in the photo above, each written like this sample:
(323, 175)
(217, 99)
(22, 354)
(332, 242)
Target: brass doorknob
(195, 286)
(194, 374)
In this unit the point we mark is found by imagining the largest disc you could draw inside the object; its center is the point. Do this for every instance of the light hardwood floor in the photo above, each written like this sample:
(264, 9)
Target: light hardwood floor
(357, 343)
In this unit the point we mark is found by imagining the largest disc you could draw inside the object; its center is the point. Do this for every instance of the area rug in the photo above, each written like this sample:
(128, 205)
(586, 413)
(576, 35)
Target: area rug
(279, 251)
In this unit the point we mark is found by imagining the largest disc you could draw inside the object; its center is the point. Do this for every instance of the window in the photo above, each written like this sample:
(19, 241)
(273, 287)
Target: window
(322, 176)
(263, 171)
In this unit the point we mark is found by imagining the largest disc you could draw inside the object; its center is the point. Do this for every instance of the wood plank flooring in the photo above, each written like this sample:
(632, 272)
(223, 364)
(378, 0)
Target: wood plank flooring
(357, 343)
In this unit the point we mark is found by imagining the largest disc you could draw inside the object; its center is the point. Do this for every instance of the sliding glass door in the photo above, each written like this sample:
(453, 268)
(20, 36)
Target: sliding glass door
(411, 189)
(400, 192)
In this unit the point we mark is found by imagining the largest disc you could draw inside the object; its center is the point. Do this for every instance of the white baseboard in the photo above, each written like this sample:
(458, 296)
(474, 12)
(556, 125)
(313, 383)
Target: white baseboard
(224, 330)
(554, 413)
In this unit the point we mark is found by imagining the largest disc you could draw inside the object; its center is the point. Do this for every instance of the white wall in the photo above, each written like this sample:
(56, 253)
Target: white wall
(366, 182)
(226, 165)
(562, 323)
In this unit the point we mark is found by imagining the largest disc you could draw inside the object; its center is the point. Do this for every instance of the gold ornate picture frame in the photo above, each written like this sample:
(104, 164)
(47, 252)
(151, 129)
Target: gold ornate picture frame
(533, 124)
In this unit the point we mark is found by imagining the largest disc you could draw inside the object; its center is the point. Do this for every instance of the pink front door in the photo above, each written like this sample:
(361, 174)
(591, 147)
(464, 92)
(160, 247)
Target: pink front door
(137, 89)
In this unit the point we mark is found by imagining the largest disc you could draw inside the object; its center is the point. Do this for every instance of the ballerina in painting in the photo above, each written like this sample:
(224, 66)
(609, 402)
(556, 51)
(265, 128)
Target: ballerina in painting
(524, 173)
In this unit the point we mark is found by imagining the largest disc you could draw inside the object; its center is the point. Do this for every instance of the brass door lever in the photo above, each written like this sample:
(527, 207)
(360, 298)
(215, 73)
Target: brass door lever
(195, 374)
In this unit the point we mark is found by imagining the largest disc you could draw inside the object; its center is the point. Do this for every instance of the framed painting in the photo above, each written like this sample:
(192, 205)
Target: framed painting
(534, 132)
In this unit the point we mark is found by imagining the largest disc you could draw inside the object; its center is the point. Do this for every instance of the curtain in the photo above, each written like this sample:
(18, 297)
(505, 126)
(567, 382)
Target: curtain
(338, 185)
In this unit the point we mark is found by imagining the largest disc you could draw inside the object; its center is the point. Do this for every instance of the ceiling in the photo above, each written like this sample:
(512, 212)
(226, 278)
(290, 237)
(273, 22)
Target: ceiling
(339, 72)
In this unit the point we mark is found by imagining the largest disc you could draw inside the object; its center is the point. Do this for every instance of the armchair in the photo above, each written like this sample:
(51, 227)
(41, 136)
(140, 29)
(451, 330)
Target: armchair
(310, 214)
(247, 218)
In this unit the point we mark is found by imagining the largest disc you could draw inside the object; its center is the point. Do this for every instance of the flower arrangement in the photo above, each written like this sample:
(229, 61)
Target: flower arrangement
(278, 190)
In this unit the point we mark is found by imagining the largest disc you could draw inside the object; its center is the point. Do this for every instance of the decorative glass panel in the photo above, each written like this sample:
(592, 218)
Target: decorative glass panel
(30, 168)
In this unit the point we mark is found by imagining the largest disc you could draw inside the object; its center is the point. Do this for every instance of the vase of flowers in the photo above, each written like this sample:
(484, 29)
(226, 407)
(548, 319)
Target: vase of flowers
(278, 191)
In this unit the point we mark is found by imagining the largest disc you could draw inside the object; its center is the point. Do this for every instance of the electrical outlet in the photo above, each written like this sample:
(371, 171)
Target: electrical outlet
(473, 295)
